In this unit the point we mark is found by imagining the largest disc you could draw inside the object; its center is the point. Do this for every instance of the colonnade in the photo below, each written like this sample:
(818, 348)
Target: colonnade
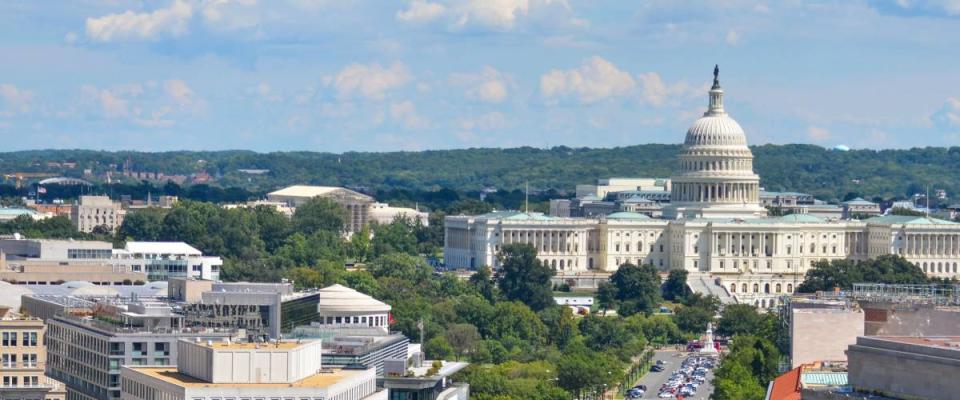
(716, 192)
(931, 244)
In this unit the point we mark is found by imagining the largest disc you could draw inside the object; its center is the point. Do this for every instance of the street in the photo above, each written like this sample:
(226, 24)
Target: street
(672, 362)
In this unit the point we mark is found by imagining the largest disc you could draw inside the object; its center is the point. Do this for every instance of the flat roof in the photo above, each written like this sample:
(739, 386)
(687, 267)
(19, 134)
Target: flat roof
(221, 345)
(949, 342)
(322, 380)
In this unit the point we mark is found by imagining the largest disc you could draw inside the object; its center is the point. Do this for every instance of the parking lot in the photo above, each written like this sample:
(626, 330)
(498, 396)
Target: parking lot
(673, 362)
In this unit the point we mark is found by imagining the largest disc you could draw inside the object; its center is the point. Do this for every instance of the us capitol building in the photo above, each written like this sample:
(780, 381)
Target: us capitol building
(714, 227)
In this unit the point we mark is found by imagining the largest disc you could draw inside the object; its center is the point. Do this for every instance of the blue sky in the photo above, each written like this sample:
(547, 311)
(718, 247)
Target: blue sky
(333, 75)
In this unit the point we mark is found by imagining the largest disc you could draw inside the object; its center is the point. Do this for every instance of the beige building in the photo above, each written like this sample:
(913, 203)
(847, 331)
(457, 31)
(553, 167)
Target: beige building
(23, 357)
(93, 211)
(612, 185)
(822, 330)
(357, 204)
(860, 207)
(906, 367)
(227, 370)
(361, 209)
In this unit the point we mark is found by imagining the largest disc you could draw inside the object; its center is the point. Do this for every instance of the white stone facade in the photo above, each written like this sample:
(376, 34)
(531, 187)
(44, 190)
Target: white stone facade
(714, 226)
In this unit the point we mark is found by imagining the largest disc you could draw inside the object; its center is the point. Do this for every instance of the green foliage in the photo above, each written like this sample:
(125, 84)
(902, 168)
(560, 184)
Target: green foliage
(637, 289)
(146, 225)
(826, 275)
(675, 287)
(438, 349)
(58, 227)
(398, 236)
(482, 281)
(693, 319)
(740, 319)
(463, 338)
(320, 214)
(750, 364)
(524, 278)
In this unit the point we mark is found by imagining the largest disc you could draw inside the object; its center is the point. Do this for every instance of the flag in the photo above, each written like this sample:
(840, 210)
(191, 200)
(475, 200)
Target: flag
(41, 189)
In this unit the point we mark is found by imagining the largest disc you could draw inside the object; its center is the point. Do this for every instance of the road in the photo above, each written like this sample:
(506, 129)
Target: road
(672, 360)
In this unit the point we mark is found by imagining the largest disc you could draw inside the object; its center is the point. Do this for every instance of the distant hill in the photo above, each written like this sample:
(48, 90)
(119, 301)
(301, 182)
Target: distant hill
(828, 174)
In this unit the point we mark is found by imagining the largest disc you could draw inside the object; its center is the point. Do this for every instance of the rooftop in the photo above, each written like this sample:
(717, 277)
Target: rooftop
(223, 345)
(322, 380)
(627, 215)
(948, 342)
(161, 248)
(908, 220)
(339, 298)
(312, 191)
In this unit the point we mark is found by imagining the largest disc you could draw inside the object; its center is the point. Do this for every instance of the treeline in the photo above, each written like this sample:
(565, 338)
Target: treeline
(827, 174)
(890, 269)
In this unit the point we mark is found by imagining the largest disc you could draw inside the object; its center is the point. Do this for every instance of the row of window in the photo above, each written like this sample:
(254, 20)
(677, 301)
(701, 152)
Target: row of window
(10, 361)
(10, 339)
(13, 381)
(777, 288)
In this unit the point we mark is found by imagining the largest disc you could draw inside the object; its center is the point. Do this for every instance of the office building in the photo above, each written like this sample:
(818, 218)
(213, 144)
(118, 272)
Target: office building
(218, 370)
(24, 357)
(906, 367)
(93, 211)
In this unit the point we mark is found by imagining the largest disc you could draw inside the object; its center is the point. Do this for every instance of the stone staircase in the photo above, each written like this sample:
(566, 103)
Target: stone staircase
(704, 284)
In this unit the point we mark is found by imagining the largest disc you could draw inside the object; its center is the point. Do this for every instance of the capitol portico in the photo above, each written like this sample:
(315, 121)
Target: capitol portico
(714, 227)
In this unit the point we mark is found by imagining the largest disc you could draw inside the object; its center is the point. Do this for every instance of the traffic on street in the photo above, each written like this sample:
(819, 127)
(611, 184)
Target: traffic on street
(675, 375)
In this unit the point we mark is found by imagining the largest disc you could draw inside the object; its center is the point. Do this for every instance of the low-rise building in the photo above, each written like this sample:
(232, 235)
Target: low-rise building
(357, 204)
(821, 330)
(217, 370)
(383, 213)
(860, 207)
(24, 358)
(906, 366)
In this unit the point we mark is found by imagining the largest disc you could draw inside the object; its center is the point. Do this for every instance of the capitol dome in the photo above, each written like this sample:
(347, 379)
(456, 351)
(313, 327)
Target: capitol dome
(716, 177)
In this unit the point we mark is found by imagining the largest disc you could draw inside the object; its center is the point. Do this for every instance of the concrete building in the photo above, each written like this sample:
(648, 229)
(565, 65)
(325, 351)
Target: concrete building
(357, 204)
(383, 213)
(93, 211)
(821, 330)
(340, 307)
(715, 227)
(164, 260)
(9, 214)
(24, 358)
(416, 383)
(611, 185)
(227, 370)
(86, 349)
(906, 367)
(860, 207)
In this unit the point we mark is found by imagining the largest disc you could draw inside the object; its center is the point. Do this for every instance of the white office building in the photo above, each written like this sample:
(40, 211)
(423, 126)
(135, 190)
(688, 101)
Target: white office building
(229, 371)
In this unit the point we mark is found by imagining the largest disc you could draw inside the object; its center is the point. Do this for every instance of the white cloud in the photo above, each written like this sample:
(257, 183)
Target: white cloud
(654, 91)
(172, 21)
(406, 112)
(110, 103)
(486, 122)
(265, 92)
(499, 15)
(489, 85)
(421, 11)
(596, 79)
(733, 37)
(15, 100)
(818, 134)
(948, 117)
(231, 14)
(70, 38)
(147, 104)
(369, 80)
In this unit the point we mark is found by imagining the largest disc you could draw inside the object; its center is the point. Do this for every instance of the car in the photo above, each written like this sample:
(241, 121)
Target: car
(641, 387)
(665, 395)
(656, 368)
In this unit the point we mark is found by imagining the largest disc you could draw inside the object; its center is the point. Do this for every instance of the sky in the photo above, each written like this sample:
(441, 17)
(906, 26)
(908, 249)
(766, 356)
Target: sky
(337, 76)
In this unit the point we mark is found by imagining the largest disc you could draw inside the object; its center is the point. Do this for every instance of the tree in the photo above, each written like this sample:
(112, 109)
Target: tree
(360, 245)
(734, 382)
(143, 225)
(607, 297)
(462, 337)
(438, 348)
(320, 214)
(396, 237)
(638, 288)
(739, 319)
(675, 287)
(524, 278)
(893, 269)
(692, 319)
(482, 281)
(401, 266)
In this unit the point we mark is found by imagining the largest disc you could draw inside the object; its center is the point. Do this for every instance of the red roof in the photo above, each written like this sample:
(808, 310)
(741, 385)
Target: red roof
(786, 386)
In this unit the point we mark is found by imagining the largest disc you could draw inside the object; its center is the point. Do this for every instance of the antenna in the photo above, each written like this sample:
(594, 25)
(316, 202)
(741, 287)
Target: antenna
(927, 209)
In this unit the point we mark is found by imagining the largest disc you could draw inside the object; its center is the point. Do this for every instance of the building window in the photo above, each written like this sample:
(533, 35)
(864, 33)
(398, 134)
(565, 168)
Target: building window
(733, 288)
(9, 339)
(756, 288)
(9, 360)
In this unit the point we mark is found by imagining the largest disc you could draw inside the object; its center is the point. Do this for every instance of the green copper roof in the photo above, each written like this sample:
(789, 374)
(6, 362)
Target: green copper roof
(909, 220)
(516, 216)
(824, 378)
(627, 215)
(801, 218)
